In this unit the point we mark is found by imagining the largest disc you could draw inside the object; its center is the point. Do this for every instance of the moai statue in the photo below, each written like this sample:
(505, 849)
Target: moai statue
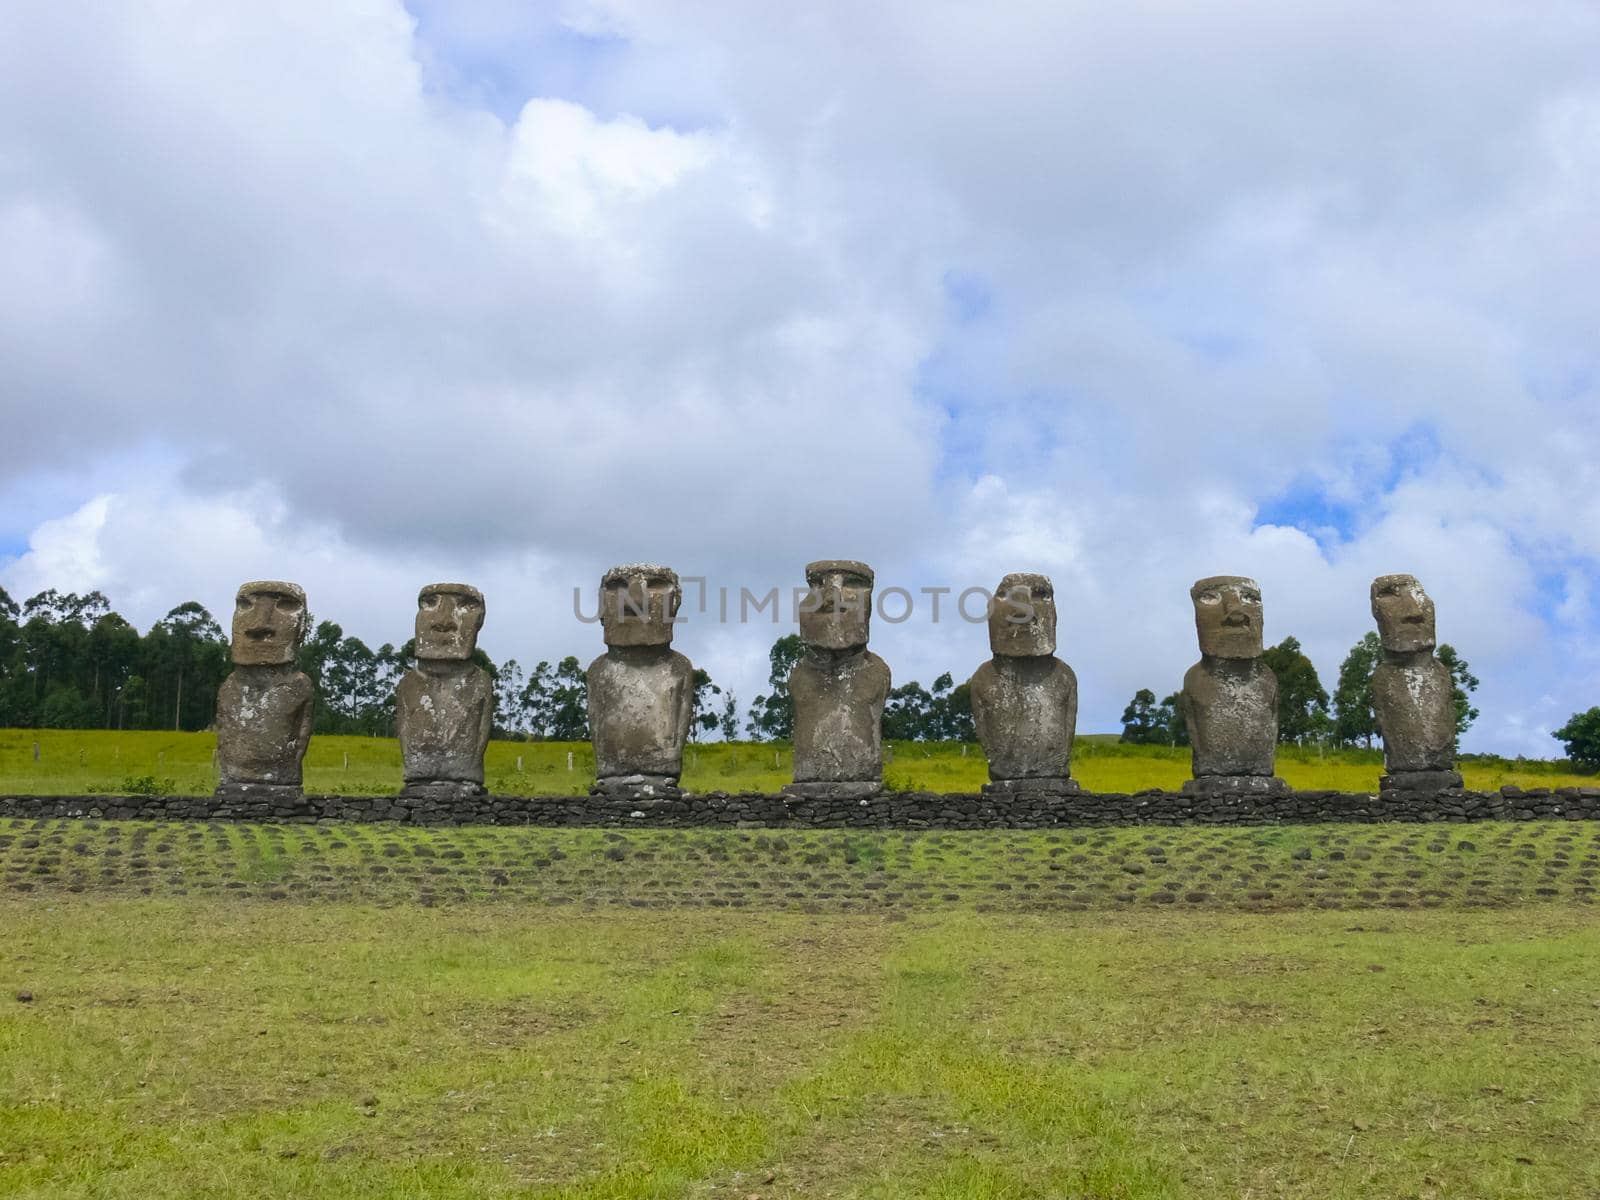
(1025, 699)
(444, 706)
(641, 690)
(1230, 697)
(838, 687)
(264, 706)
(1413, 695)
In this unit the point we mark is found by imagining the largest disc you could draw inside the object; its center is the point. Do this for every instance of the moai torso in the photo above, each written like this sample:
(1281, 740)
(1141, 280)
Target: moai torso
(838, 716)
(640, 702)
(443, 718)
(1026, 711)
(1413, 695)
(1414, 701)
(1231, 709)
(264, 708)
(444, 706)
(263, 725)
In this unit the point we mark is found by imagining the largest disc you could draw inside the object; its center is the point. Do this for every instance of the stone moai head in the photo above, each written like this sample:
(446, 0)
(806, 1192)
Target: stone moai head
(269, 623)
(638, 603)
(1227, 616)
(837, 611)
(1022, 616)
(1403, 612)
(449, 616)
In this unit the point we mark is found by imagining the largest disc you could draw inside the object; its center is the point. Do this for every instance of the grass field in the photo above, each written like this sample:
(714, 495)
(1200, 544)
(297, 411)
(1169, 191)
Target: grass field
(72, 762)
(233, 1011)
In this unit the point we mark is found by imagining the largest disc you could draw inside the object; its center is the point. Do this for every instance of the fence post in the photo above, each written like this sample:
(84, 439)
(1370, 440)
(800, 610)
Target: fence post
(569, 760)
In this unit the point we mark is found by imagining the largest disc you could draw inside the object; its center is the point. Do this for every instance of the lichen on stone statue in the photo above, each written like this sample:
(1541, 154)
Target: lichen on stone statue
(1230, 697)
(444, 705)
(1413, 694)
(641, 691)
(1025, 699)
(264, 707)
(838, 687)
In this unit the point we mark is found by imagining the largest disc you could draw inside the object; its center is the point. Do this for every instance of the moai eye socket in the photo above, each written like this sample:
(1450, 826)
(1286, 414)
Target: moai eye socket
(1251, 596)
(243, 604)
(1208, 598)
(288, 604)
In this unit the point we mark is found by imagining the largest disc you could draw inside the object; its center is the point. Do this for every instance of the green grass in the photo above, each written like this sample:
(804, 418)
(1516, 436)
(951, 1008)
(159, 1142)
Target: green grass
(233, 1048)
(73, 762)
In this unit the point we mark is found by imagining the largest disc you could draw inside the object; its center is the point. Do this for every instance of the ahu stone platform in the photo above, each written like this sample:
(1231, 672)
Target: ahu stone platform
(886, 810)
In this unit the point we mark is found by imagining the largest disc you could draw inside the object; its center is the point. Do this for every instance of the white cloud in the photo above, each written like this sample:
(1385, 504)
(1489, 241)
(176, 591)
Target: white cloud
(312, 289)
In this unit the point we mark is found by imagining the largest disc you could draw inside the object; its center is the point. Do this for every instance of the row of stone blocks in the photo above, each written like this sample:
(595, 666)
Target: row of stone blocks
(886, 810)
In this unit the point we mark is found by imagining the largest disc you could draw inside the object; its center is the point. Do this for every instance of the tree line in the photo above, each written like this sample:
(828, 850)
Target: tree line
(67, 661)
(1307, 715)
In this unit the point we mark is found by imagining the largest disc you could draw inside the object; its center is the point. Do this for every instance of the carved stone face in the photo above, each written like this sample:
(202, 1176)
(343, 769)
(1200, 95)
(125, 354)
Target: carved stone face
(1022, 617)
(1403, 612)
(638, 603)
(837, 612)
(449, 616)
(1227, 616)
(269, 622)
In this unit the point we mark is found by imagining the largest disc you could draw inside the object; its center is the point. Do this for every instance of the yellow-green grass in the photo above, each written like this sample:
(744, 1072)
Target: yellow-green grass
(76, 762)
(228, 1048)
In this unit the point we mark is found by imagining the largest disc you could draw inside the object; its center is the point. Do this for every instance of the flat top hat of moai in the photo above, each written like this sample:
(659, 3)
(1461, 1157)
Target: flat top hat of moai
(269, 622)
(1404, 613)
(449, 616)
(1022, 616)
(638, 602)
(1227, 616)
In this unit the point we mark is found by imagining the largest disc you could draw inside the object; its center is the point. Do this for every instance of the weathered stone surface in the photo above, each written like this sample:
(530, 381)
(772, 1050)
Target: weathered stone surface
(638, 787)
(444, 706)
(1412, 692)
(641, 691)
(264, 707)
(1024, 699)
(1419, 781)
(839, 687)
(838, 790)
(1031, 787)
(1235, 785)
(1230, 697)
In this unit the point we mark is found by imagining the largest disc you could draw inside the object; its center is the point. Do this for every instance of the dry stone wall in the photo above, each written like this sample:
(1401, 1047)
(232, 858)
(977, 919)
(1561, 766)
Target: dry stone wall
(886, 810)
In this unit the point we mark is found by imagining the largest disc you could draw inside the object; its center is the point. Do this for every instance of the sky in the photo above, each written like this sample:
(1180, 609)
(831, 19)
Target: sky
(367, 295)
